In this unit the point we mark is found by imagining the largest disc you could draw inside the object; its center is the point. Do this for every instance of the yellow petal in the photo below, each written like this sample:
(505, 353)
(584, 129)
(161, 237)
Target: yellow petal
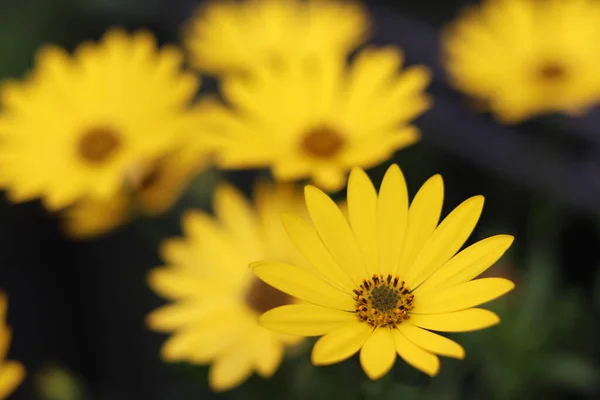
(362, 213)
(462, 296)
(305, 319)
(392, 213)
(3, 306)
(459, 321)
(12, 374)
(432, 341)
(299, 283)
(268, 353)
(378, 354)
(468, 264)
(446, 240)
(423, 216)
(335, 233)
(231, 369)
(173, 284)
(237, 216)
(174, 316)
(414, 355)
(308, 243)
(340, 343)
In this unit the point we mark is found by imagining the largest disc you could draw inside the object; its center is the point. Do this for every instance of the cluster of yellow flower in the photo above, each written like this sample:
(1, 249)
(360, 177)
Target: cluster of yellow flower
(116, 130)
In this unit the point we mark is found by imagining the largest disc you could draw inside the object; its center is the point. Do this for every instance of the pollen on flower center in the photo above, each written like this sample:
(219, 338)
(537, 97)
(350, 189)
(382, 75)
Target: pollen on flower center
(322, 142)
(383, 301)
(261, 297)
(99, 144)
(552, 72)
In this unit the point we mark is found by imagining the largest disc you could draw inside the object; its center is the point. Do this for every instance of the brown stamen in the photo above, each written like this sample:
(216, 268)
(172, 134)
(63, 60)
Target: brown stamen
(383, 301)
(99, 144)
(262, 297)
(323, 142)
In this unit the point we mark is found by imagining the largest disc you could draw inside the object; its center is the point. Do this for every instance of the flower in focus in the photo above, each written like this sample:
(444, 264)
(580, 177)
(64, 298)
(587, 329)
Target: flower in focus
(12, 373)
(217, 299)
(384, 281)
(318, 120)
(233, 36)
(525, 57)
(84, 126)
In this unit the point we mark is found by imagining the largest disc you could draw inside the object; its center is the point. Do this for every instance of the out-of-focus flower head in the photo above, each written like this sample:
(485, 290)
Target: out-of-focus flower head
(216, 298)
(85, 126)
(12, 373)
(320, 118)
(382, 279)
(521, 58)
(238, 36)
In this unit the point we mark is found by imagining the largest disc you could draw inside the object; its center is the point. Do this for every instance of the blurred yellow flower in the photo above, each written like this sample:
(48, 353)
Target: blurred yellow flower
(239, 36)
(383, 281)
(318, 120)
(217, 299)
(12, 373)
(521, 58)
(84, 126)
(150, 192)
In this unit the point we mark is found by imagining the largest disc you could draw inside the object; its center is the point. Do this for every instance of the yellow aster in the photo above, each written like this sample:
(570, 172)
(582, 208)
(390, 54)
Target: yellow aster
(384, 281)
(216, 298)
(80, 126)
(526, 57)
(12, 373)
(239, 36)
(321, 119)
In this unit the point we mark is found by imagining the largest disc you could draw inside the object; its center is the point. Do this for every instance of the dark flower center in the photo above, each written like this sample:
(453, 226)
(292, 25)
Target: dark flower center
(383, 301)
(323, 142)
(552, 72)
(262, 297)
(99, 144)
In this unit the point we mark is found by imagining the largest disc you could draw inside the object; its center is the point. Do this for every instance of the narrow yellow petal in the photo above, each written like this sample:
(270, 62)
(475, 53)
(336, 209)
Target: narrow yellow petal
(362, 213)
(392, 214)
(423, 216)
(238, 218)
(12, 374)
(335, 233)
(445, 241)
(173, 284)
(340, 343)
(468, 264)
(231, 369)
(305, 319)
(301, 284)
(414, 355)
(268, 353)
(471, 319)
(378, 354)
(308, 243)
(431, 341)
(174, 316)
(462, 296)
(3, 306)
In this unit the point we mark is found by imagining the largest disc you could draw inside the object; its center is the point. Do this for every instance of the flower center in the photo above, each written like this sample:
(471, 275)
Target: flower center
(261, 297)
(99, 144)
(322, 142)
(383, 301)
(552, 71)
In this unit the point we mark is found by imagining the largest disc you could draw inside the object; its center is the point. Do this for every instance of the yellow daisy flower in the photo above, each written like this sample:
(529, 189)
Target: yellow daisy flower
(217, 299)
(81, 126)
(526, 57)
(321, 119)
(384, 281)
(12, 373)
(239, 36)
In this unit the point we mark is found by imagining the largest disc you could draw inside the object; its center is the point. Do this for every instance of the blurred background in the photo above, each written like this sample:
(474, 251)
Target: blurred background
(77, 308)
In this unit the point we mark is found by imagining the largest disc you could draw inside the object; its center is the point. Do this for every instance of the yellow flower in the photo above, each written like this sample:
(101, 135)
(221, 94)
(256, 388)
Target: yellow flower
(526, 57)
(83, 126)
(321, 119)
(217, 299)
(12, 373)
(383, 282)
(233, 36)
